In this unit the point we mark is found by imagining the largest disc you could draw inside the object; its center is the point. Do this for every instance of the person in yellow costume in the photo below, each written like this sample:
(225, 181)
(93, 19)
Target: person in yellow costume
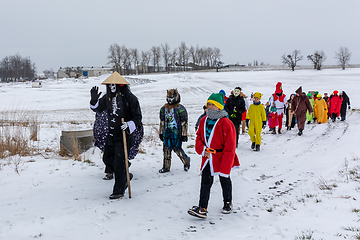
(320, 109)
(257, 117)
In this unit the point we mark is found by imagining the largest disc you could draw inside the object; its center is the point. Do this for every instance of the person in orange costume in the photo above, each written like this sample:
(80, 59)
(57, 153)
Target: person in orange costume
(320, 109)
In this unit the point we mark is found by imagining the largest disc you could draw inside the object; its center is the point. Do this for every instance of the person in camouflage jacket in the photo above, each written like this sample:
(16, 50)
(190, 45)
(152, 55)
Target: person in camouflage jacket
(173, 130)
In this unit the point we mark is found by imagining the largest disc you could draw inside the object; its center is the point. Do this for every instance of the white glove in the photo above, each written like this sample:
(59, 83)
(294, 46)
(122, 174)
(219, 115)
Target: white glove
(124, 126)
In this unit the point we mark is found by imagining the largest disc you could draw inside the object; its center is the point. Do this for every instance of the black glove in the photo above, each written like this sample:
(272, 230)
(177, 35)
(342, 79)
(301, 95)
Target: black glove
(349, 107)
(184, 138)
(247, 123)
(161, 136)
(94, 95)
(264, 124)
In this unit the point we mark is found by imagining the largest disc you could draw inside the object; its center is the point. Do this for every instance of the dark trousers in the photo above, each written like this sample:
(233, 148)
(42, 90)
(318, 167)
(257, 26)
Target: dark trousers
(114, 160)
(237, 130)
(206, 183)
(333, 116)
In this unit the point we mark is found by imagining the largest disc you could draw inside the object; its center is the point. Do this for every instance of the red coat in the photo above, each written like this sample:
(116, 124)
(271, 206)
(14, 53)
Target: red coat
(335, 104)
(222, 137)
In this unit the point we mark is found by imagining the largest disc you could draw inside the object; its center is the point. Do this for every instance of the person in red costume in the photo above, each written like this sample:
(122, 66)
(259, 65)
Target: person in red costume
(216, 143)
(334, 105)
(277, 105)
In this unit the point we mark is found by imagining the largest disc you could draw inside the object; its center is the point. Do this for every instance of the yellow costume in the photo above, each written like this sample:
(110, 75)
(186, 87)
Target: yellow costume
(320, 109)
(256, 114)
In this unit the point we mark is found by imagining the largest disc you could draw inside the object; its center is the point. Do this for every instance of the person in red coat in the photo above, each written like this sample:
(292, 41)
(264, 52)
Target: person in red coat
(216, 143)
(334, 105)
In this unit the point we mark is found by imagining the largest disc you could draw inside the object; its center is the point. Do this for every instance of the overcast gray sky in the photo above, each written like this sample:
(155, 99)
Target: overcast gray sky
(56, 33)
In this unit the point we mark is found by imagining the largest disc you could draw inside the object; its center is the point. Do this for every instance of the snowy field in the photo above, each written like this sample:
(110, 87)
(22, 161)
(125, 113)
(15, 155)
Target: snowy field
(295, 188)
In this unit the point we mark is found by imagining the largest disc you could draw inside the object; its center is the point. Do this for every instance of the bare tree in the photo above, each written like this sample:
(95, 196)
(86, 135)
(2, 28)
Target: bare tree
(15, 67)
(156, 53)
(126, 60)
(135, 59)
(291, 60)
(216, 55)
(166, 55)
(5, 70)
(343, 56)
(115, 56)
(183, 54)
(145, 59)
(173, 57)
(317, 59)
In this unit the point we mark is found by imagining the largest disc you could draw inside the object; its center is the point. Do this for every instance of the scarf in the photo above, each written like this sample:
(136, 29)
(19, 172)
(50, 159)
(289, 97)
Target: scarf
(216, 114)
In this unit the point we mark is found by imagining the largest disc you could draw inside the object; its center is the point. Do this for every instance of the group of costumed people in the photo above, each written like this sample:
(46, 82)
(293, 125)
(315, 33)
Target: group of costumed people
(118, 131)
(313, 106)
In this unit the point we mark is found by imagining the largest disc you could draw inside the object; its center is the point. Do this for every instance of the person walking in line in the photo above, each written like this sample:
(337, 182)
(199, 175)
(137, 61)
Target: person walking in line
(216, 143)
(310, 116)
(243, 117)
(235, 106)
(344, 105)
(173, 130)
(119, 102)
(335, 105)
(290, 118)
(320, 109)
(257, 117)
(299, 105)
(277, 100)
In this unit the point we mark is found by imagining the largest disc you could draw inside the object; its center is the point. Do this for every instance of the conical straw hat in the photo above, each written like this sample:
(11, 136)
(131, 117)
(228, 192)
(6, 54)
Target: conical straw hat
(115, 78)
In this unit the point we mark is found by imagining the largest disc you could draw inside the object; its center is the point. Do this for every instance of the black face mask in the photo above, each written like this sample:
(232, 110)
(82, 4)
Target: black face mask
(279, 94)
(170, 100)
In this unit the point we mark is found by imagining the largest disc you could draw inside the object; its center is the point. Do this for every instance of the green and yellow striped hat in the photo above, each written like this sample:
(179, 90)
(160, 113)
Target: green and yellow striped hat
(217, 99)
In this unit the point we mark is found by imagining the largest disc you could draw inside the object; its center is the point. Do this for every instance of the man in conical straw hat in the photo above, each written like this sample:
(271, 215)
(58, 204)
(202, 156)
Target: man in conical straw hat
(119, 102)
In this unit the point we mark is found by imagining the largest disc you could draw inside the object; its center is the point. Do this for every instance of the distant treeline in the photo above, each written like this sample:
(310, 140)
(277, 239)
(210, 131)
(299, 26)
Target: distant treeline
(163, 58)
(16, 68)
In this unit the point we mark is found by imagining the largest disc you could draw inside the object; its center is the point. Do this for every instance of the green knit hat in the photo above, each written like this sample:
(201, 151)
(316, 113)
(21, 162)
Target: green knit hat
(217, 99)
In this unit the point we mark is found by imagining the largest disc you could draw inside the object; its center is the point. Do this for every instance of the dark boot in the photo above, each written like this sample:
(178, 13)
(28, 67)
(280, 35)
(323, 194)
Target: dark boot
(164, 170)
(300, 132)
(274, 131)
(252, 145)
(279, 131)
(257, 147)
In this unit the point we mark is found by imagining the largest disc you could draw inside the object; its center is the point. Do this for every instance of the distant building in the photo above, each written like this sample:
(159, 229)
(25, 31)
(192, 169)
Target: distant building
(83, 71)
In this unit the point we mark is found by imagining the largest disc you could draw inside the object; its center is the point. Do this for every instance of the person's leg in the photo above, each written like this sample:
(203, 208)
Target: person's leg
(226, 186)
(119, 169)
(237, 130)
(280, 119)
(206, 183)
(167, 156)
(227, 194)
(108, 159)
(181, 154)
(251, 133)
(333, 117)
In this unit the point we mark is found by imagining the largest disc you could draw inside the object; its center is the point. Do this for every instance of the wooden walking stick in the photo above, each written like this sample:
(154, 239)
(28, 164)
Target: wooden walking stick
(126, 160)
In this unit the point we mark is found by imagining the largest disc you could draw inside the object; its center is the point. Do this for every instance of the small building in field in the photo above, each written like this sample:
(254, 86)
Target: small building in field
(75, 72)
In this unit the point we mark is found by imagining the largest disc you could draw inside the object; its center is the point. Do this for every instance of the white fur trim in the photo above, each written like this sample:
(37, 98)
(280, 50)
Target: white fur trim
(132, 126)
